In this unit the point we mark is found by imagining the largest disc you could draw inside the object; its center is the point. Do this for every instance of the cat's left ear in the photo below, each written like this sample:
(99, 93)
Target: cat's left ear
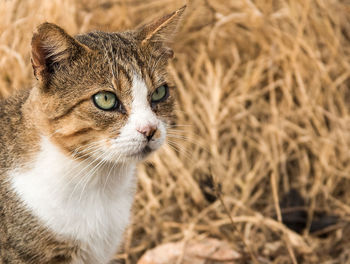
(52, 48)
(161, 32)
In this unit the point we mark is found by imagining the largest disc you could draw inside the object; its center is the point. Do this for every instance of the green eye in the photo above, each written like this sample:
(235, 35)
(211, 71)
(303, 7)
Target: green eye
(105, 100)
(160, 94)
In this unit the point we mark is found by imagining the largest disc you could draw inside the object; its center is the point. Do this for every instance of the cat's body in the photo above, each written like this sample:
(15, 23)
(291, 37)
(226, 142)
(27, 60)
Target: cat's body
(69, 146)
(23, 239)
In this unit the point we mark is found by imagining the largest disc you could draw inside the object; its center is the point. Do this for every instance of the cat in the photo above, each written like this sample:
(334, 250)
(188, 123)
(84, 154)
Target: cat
(101, 103)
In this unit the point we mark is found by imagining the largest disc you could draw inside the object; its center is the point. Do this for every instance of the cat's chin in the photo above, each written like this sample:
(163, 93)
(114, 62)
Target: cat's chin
(141, 155)
(125, 158)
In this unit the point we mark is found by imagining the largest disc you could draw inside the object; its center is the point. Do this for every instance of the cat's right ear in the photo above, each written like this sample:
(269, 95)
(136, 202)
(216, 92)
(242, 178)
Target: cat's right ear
(51, 48)
(159, 33)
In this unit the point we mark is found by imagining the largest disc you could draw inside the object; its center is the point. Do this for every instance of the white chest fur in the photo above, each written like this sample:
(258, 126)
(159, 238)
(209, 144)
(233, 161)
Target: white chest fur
(85, 202)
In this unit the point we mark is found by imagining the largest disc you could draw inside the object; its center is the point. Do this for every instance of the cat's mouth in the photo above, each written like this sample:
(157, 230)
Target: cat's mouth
(146, 150)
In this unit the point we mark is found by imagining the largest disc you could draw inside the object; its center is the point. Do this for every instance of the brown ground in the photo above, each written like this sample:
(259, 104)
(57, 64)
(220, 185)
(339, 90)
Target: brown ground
(263, 108)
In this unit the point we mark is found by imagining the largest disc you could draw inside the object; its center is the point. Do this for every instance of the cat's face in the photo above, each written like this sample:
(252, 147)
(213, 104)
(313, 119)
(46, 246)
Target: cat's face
(104, 95)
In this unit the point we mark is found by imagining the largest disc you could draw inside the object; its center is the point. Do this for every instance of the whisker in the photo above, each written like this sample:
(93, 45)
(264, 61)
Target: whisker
(189, 140)
(179, 148)
(86, 177)
(91, 174)
(109, 173)
(176, 125)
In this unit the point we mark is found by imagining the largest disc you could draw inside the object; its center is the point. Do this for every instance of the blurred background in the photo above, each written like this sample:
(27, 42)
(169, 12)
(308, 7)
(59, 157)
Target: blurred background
(259, 155)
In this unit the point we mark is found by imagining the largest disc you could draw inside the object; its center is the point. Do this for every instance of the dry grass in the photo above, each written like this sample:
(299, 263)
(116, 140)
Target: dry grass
(263, 107)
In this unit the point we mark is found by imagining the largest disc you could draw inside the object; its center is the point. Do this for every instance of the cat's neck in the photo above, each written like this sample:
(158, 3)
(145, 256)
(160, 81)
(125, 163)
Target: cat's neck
(87, 202)
(71, 175)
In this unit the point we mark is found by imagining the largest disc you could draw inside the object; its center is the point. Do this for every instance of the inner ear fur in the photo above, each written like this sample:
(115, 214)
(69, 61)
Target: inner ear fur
(52, 47)
(159, 33)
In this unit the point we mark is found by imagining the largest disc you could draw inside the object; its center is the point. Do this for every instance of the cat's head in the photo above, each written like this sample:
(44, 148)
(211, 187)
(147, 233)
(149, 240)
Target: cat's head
(105, 95)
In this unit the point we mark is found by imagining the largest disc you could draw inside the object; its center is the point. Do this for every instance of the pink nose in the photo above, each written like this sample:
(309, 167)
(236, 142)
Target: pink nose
(148, 131)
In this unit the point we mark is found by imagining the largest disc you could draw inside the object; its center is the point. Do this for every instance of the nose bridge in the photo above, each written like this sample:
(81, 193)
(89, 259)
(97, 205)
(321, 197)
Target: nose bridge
(144, 117)
(146, 122)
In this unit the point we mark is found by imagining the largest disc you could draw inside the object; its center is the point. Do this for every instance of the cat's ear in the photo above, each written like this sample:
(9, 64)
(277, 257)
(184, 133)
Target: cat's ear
(161, 31)
(52, 47)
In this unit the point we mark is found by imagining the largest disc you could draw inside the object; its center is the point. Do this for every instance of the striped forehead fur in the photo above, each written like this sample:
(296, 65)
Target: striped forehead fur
(120, 51)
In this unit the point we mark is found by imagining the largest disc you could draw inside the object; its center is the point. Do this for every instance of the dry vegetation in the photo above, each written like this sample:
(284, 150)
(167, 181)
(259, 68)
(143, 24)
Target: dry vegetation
(263, 108)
